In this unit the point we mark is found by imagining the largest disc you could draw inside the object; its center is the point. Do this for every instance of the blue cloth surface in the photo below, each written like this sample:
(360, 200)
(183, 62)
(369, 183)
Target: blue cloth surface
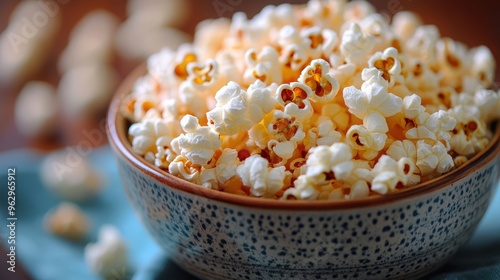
(45, 256)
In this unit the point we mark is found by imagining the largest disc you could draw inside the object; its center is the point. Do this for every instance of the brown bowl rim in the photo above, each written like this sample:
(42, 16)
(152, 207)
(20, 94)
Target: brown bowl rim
(119, 141)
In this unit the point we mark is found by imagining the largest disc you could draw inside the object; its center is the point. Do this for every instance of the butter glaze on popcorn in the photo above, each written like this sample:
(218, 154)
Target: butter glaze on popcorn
(413, 105)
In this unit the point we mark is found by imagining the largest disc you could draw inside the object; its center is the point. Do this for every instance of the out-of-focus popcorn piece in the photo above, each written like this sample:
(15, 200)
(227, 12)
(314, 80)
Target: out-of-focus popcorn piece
(422, 44)
(25, 43)
(36, 109)
(108, 256)
(356, 46)
(453, 59)
(91, 40)
(67, 221)
(263, 180)
(483, 65)
(69, 175)
(263, 66)
(133, 41)
(159, 13)
(210, 33)
(404, 24)
(87, 89)
(357, 10)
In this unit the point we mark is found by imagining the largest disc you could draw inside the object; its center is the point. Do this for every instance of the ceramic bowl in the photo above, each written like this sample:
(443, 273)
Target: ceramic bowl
(216, 235)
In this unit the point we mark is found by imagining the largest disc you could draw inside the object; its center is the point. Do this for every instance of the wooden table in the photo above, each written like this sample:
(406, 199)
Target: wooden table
(471, 22)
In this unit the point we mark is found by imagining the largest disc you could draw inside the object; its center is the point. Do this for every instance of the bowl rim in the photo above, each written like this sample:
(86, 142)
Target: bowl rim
(117, 137)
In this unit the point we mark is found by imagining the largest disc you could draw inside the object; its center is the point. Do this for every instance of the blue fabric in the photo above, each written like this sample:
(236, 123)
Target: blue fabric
(47, 257)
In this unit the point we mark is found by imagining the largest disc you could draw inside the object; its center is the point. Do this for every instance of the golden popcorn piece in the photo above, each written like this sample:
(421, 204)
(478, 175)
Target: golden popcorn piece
(67, 221)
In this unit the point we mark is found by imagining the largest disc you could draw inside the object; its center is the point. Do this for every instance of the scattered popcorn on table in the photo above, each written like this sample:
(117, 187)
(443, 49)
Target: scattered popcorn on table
(108, 255)
(324, 101)
(70, 176)
(36, 109)
(67, 221)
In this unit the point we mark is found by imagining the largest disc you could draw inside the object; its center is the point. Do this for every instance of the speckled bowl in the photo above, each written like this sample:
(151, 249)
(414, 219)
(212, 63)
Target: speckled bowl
(216, 235)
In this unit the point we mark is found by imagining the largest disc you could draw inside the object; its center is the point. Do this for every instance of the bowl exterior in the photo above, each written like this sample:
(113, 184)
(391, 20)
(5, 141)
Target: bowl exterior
(403, 239)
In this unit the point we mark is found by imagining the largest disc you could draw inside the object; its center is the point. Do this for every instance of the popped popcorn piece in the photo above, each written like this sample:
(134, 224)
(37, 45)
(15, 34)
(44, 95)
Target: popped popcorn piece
(323, 133)
(377, 26)
(433, 160)
(91, 40)
(67, 221)
(69, 175)
(356, 46)
(330, 162)
(422, 44)
(183, 168)
(210, 34)
(36, 110)
(263, 66)
(373, 98)
(404, 24)
(470, 135)
(483, 65)
(388, 63)
(357, 10)
(294, 98)
(323, 86)
(323, 13)
(322, 42)
(160, 12)
(223, 171)
(435, 126)
(287, 131)
(264, 181)
(150, 133)
(24, 47)
(388, 173)
(198, 143)
(371, 137)
(453, 59)
(108, 255)
(487, 102)
(86, 90)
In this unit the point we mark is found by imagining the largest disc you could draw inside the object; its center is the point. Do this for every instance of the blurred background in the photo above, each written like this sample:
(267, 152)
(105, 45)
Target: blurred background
(61, 38)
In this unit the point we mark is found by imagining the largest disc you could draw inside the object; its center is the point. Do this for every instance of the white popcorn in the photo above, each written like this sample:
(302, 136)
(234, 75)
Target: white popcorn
(230, 114)
(388, 63)
(36, 110)
(224, 170)
(108, 255)
(422, 44)
(433, 159)
(294, 98)
(147, 133)
(263, 66)
(25, 43)
(371, 137)
(323, 86)
(359, 189)
(87, 89)
(420, 78)
(488, 102)
(287, 131)
(435, 126)
(404, 24)
(210, 34)
(333, 162)
(388, 173)
(323, 133)
(161, 66)
(470, 135)
(453, 59)
(67, 221)
(375, 98)
(198, 143)
(338, 114)
(263, 180)
(356, 46)
(483, 65)
(322, 42)
(191, 100)
(357, 10)
(183, 168)
(295, 51)
(91, 40)
(70, 176)
(377, 26)
(325, 13)
(159, 13)
(303, 189)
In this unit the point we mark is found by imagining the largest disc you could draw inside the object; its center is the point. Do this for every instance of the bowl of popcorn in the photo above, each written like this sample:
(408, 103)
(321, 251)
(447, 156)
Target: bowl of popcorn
(319, 141)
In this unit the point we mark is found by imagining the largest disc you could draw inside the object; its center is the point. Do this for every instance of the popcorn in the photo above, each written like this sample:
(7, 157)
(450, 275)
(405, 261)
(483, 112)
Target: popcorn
(90, 41)
(263, 180)
(323, 87)
(257, 113)
(355, 45)
(36, 110)
(108, 255)
(198, 143)
(67, 221)
(70, 176)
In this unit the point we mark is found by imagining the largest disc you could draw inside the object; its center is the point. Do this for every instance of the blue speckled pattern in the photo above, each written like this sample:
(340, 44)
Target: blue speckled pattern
(399, 240)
